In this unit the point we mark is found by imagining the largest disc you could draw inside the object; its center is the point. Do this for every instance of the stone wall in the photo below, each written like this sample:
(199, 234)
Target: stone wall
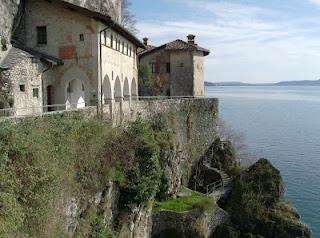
(9, 10)
(198, 74)
(26, 86)
(194, 124)
(190, 224)
(160, 58)
(182, 73)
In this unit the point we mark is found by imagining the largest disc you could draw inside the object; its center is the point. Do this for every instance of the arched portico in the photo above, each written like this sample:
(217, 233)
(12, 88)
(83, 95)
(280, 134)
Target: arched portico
(75, 94)
(118, 95)
(107, 90)
(134, 89)
(126, 90)
(73, 89)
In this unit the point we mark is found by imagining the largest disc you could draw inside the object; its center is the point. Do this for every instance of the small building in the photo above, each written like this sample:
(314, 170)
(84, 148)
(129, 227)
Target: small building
(177, 67)
(71, 57)
(22, 72)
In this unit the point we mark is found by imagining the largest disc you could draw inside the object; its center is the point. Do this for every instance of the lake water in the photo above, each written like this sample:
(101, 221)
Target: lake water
(283, 125)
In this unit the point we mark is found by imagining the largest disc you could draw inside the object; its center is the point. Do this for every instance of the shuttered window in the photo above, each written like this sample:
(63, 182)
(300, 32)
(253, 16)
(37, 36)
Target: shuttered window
(42, 35)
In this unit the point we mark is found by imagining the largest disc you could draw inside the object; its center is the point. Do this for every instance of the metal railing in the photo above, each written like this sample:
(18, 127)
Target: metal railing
(219, 185)
(163, 97)
(46, 109)
(55, 108)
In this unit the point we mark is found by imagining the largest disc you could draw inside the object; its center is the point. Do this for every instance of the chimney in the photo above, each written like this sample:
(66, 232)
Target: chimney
(191, 39)
(145, 41)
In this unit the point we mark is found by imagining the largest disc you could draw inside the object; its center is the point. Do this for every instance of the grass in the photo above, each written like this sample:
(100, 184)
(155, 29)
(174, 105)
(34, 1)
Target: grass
(181, 204)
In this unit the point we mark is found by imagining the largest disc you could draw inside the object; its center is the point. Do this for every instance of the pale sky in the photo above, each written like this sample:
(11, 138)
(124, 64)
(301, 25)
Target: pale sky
(250, 41)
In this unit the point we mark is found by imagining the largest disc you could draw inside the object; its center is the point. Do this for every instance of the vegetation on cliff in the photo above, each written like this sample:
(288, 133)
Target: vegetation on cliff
(46, 160)
(186, 201)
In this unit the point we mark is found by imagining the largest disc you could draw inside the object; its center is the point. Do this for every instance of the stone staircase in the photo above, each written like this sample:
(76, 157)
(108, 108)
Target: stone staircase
(222, 187)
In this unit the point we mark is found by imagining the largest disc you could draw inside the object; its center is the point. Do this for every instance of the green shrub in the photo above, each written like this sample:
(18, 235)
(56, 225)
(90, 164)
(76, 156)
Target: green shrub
(143, 177)
(42, 160)
(92, 225)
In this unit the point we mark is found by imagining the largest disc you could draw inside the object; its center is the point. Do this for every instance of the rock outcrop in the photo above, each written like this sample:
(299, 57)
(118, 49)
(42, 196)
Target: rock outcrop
(257, 208)
(108, 7)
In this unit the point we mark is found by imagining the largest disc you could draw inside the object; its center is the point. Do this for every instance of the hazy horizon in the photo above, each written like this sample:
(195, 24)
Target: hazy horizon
(250, 41)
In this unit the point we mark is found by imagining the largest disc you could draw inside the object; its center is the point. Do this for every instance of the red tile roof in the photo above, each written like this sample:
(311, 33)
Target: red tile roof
(174, 45)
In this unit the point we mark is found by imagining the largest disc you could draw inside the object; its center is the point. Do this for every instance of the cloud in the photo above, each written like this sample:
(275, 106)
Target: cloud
(247, 43)
(317, 2)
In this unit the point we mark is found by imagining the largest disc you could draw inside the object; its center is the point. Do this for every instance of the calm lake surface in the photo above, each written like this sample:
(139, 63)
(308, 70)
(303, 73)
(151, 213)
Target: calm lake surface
(283, 125)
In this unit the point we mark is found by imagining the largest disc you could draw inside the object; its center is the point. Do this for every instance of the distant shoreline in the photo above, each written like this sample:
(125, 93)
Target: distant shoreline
(284, 83)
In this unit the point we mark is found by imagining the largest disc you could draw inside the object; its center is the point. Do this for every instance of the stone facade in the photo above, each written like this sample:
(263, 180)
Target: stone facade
(26, 89)
(9, 14)
(177, 68)
(99, 56)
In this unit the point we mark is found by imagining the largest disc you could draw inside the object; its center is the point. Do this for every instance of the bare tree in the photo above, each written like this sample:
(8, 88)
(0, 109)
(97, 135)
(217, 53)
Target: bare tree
(237, 139)
(128, 19)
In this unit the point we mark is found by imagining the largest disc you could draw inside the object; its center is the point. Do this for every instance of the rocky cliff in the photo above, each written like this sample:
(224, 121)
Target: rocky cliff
(73, 175)
(109, 7)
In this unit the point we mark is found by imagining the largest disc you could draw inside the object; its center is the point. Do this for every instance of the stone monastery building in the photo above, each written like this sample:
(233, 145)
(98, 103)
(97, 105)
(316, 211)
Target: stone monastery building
(178, 65)
(65, 56)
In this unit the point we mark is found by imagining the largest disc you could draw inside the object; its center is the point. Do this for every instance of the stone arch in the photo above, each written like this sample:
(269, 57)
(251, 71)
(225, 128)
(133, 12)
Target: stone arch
(117, 90)
(74, 88)
(126, 90)
(75, 94)
(107, 90)
(134, 89)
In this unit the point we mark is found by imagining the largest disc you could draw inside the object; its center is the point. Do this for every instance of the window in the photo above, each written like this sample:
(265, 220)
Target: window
(111, 41)
(42, 35)
(22, 88)
(119, 45)
(81, 37)
(127, 49)
(168, 68)
(35, 92)
(130, 51)
(116, 44)
(123, 47)
(153, 68)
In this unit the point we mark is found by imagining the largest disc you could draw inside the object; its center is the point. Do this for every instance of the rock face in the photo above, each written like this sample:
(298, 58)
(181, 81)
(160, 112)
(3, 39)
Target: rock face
(8, 11)
(109, 7)
(257, 208)
(190, 224)
(106, 202)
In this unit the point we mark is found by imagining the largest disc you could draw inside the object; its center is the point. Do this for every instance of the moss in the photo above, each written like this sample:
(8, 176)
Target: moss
(181, 204)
